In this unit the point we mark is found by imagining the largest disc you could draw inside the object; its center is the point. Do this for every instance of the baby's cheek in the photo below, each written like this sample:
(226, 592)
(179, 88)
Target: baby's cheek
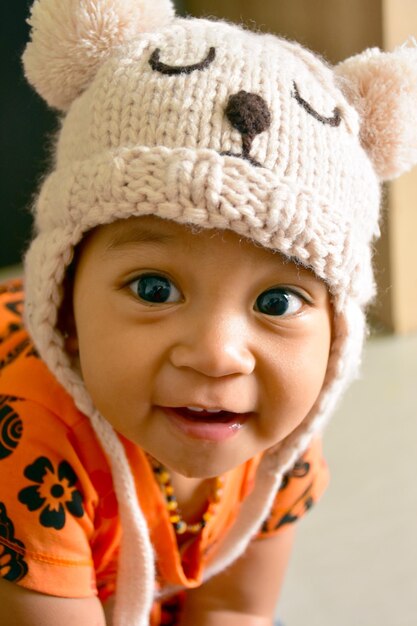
(312, 369)
(294, 389)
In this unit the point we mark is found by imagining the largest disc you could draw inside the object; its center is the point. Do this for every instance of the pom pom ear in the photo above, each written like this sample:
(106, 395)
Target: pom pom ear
(383, 88)
(71, 38)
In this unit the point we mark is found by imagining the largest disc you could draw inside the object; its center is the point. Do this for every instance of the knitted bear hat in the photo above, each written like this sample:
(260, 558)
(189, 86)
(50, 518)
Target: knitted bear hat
(207, 124)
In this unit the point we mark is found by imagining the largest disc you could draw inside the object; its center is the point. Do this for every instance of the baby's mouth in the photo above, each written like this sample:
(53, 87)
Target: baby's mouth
(196, 414)
(206, 424)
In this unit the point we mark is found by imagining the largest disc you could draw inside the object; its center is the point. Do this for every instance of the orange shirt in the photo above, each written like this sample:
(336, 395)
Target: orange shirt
(59, 524)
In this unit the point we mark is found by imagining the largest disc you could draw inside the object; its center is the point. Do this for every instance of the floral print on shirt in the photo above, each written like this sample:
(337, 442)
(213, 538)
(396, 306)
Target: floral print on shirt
(54, 492)
(13, 566)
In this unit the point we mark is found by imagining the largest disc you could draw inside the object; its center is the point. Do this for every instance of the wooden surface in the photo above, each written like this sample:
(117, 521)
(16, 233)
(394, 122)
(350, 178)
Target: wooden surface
(335, 28)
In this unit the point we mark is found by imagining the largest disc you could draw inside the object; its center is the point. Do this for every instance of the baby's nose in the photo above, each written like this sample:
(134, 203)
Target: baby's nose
(248, 113)
(214, 350)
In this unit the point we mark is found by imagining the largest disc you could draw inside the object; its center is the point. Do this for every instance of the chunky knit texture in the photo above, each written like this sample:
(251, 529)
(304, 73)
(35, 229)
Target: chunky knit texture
(207, 124)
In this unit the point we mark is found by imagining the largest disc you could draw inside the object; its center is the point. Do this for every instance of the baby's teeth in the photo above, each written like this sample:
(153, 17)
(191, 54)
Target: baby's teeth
(199, 410)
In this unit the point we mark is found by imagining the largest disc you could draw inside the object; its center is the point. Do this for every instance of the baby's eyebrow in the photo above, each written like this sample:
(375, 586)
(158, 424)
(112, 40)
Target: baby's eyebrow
(137, 234)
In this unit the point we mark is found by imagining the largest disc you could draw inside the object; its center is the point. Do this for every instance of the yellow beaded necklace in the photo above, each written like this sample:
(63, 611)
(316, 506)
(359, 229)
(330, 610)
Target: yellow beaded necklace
(179, 525)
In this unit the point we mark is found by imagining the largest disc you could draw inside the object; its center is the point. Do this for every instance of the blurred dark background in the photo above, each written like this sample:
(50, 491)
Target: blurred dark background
(25, 123)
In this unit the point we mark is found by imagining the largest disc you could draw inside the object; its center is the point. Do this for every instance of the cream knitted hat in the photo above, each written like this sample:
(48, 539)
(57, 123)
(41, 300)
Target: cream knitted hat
(205, 123)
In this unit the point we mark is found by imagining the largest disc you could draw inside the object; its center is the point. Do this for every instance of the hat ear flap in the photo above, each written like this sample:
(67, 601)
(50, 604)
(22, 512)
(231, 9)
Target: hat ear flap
(383, 88)
(70, 39)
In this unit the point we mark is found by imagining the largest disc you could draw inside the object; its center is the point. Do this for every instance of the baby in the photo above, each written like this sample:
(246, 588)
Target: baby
(194, 305)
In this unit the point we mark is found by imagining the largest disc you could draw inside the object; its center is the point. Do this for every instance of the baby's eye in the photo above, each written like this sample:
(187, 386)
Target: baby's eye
(155, 289)
(279, 302)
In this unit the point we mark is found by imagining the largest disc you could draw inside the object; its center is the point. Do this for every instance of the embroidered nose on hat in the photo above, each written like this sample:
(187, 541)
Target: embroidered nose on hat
(249, 114)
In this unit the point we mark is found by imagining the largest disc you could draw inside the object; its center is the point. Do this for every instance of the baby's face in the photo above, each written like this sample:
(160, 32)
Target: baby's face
(201, 348)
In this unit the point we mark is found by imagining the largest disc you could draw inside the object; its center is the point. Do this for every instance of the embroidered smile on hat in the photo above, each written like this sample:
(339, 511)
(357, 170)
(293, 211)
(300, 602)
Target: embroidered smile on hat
(208, 124)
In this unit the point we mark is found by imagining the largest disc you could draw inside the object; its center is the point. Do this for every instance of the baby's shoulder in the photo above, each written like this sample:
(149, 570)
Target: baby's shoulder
(24, 377)
(44, 438)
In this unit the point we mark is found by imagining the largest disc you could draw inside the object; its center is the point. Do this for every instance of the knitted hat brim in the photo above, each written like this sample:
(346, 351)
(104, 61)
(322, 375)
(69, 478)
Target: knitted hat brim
(205, 189)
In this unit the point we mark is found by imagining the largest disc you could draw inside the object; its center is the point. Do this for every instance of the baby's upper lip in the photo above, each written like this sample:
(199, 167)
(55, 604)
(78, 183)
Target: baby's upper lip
(199, 409)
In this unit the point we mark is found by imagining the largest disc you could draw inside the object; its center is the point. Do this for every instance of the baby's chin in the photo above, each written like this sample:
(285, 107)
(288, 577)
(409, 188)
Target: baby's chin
(204, 463)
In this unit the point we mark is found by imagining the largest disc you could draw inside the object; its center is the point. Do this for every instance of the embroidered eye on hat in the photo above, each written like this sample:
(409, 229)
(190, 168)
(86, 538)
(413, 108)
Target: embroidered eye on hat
(205, 123)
